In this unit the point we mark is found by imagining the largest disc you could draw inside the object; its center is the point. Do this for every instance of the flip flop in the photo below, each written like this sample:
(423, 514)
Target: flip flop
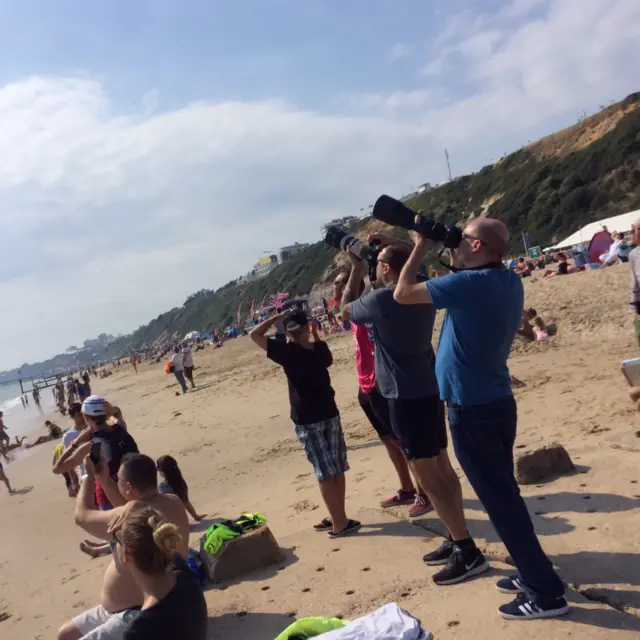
(352, 527)
(324, 525)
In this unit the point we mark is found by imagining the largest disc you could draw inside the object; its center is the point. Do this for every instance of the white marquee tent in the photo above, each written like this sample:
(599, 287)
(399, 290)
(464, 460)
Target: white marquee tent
(621, 223)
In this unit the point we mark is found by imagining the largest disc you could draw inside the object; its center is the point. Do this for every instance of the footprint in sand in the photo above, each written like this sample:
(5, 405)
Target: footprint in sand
(366, 569)
(266, 588)
(306, 590)
(320, 569)
(304, 505)
(349, 593)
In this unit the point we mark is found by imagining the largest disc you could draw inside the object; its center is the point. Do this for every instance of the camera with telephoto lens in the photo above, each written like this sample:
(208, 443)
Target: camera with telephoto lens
(393, 212)
(340, 239)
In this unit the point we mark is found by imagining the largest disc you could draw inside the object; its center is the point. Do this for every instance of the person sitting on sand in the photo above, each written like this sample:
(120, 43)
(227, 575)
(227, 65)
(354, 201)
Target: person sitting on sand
(611, 256)
(563, 267)
(537, 331)
(173, 482)
(173, 603)
(306, 361)
(522, 268)
(121, 596)
(55, 433)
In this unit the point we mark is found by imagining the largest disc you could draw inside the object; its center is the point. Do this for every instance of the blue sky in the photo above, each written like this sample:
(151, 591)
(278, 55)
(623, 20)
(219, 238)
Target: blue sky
(152, 148)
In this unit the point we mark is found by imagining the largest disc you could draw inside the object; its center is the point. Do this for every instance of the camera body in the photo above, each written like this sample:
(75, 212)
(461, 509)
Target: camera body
(395, 213)
(340, 239)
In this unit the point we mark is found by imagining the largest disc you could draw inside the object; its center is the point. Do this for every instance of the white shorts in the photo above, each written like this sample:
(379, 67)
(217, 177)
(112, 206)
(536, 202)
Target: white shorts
(99, 624)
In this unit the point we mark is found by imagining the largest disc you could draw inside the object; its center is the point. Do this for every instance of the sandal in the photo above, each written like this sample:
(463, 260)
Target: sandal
(352, 527)
(324, 525)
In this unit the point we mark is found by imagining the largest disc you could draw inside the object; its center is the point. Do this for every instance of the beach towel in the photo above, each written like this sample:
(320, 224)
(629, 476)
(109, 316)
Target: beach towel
(389, 622)
(218, 533)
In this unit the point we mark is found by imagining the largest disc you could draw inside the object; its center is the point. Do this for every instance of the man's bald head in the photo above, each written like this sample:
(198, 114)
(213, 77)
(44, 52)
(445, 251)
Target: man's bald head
(493, 234)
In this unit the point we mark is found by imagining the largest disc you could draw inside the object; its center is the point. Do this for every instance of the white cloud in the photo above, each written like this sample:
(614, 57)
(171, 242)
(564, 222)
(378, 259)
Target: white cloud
(398, 51)
(109, 218)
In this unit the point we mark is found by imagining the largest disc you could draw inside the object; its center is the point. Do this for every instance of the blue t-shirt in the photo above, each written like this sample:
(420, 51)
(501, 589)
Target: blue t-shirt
(484, 311)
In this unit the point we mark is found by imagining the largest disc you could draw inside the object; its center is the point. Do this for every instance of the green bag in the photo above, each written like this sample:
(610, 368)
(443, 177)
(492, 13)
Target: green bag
(310, 628)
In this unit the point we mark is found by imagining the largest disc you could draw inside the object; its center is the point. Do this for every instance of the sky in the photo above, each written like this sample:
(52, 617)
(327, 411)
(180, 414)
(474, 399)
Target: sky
(153, 148)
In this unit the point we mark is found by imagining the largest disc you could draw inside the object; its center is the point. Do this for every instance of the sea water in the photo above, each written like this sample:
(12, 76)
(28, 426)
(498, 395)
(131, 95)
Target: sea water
(18, 419)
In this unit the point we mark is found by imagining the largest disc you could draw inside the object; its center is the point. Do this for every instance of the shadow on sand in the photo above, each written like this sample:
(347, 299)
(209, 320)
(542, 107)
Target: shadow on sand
(243, 625)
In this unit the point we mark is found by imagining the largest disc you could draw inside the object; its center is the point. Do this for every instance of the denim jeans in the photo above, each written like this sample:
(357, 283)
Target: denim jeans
(180, 378)
(483, 437)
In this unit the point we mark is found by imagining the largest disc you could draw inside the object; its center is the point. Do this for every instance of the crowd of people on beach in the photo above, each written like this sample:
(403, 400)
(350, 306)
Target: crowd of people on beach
(149, 591)
(403, 389)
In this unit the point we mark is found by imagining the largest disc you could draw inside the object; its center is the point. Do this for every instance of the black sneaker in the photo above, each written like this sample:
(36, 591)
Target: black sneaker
(462, 564)
(522, 608)
(441, 555)
(511, 584)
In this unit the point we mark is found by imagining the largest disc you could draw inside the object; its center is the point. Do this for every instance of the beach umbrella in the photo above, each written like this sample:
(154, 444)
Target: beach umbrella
(192, 335)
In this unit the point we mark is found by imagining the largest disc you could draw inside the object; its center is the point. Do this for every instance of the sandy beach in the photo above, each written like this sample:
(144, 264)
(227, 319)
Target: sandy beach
(236, 447)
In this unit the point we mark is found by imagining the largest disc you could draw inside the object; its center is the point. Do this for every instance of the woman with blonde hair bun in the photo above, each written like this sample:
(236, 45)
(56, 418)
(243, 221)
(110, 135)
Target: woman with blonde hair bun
(174, 605)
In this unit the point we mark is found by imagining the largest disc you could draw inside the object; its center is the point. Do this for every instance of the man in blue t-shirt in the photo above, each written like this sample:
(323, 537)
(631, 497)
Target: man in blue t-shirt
(484, 304)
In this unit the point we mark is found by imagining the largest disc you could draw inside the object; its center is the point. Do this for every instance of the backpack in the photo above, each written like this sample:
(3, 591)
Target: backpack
(120, 442)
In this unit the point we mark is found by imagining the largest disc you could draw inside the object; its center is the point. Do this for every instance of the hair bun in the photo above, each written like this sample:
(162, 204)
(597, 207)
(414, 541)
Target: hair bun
(165, 535)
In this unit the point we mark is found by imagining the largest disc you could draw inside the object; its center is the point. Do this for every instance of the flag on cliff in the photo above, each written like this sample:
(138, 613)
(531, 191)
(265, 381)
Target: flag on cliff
(262, 305)
(253, 302)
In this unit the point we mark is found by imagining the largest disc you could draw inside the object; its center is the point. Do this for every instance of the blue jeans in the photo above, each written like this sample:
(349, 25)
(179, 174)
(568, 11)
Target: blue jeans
(180, 378)
(483, 437)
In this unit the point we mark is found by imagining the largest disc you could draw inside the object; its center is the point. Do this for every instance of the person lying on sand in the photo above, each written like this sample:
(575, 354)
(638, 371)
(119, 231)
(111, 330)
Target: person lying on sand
(15, 445)
(122, 597)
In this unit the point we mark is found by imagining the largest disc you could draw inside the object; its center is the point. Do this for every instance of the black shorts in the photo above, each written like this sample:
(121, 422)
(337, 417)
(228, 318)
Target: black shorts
(376, 408)
(419, 425)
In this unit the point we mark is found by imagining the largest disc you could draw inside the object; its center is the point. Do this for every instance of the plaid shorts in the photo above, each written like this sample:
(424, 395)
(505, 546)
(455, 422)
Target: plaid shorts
(324, 444)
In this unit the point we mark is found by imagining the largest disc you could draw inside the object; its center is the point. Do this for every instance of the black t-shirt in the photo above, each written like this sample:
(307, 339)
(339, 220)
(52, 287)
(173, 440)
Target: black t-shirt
(563, 268)
(310, 391)
(182, 613)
